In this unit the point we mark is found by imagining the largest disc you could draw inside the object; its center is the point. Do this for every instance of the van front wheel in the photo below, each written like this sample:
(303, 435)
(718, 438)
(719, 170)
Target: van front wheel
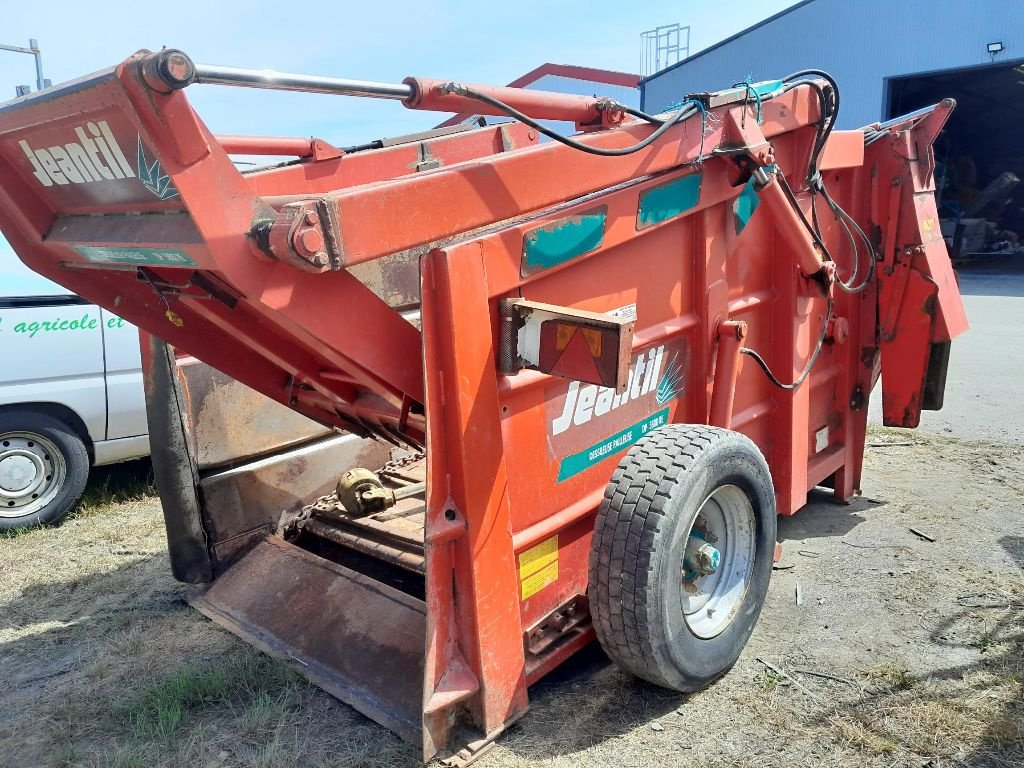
(43, 469)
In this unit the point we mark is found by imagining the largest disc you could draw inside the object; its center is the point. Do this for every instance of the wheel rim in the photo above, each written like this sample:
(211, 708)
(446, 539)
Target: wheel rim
(32, 471)
(718, 561)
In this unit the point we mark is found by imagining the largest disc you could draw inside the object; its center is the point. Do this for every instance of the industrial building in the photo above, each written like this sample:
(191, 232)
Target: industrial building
(891, 57)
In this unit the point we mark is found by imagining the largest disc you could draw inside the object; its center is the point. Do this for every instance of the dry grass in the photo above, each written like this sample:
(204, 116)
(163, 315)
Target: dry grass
(102, 664)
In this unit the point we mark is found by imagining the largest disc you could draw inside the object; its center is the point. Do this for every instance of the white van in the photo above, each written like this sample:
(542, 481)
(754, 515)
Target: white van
(71, 395)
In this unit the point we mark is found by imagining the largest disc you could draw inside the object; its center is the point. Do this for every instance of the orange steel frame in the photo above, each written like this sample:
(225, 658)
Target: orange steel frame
(328, 347)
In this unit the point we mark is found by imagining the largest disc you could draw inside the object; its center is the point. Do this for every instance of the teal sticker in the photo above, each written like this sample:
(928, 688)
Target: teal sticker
(563, 240)
(767, 88)
(588, 457)
(745, 205)
(666, 201)
(157, 257)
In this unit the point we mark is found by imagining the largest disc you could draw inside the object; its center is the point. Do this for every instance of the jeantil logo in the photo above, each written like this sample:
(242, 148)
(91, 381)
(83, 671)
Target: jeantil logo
(584, 403)
(94, 157)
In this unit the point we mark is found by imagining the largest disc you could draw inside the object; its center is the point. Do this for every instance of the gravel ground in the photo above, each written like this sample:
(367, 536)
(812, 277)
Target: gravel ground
(101, 663)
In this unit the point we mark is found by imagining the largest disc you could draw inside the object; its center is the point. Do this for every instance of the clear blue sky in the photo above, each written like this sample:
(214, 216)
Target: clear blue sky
(476, 42)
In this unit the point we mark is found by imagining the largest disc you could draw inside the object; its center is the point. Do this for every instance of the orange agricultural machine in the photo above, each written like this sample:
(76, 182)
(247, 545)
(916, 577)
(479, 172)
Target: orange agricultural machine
(565, 386)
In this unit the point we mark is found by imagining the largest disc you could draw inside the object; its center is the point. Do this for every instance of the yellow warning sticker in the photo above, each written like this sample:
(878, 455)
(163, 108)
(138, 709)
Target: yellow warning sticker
(531, 585)
(538, 567)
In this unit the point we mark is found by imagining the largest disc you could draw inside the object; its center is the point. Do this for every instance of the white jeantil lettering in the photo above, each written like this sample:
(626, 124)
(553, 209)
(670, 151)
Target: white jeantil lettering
(94, 157)
(37, 171)
(584, 402)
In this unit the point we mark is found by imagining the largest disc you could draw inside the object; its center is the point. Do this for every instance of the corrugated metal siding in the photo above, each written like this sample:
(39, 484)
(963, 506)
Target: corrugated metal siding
(859, 43)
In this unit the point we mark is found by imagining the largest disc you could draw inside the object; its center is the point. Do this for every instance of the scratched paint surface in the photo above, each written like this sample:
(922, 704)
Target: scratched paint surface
(563, 240)
(667, 201)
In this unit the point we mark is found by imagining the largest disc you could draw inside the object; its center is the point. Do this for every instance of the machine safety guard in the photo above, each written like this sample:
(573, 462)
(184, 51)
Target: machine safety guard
(573, 299)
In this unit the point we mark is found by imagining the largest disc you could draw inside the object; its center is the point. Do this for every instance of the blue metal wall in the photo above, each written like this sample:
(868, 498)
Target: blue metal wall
(859, 42)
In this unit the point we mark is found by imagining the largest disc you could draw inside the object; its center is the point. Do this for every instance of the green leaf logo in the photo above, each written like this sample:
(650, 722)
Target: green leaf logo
(153, 177)
(672, 382)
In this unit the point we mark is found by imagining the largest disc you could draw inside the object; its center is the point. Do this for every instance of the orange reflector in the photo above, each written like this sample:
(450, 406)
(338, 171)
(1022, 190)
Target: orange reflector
(566, 332)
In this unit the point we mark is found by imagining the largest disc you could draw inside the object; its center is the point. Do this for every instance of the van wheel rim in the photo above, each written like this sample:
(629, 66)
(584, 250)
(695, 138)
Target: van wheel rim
(718, 561)
(32, 472)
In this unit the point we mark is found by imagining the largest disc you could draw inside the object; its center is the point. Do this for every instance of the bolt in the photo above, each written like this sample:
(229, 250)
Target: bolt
(839, 329)
(309, 241)
(321, 259)
(532, 134)
(311, 218)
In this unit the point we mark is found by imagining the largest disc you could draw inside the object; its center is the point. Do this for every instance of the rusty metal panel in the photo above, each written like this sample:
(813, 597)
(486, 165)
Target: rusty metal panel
(360, 640)
(229, 421)
(246, 502)
(395, 279)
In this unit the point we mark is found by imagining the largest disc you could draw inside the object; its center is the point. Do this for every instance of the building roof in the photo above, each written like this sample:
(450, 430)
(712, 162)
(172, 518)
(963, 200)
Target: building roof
(606, 76)
(727, 40)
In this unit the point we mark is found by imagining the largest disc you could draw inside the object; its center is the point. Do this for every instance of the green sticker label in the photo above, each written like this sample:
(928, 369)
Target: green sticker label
(745, 205)
(563, 240)
(620, 441)
(666, 201)
(157, 257)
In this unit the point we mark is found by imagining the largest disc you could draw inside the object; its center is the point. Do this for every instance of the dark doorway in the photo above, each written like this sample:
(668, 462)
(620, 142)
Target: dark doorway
(980, 158)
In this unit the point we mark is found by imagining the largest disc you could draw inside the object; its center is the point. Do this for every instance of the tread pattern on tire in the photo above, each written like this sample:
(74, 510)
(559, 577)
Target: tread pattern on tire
(620, 556)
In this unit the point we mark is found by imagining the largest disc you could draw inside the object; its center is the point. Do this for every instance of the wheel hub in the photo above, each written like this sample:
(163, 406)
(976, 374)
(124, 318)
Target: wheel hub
(705, 558)
(32, 471)
(717, 561)
(18, 471)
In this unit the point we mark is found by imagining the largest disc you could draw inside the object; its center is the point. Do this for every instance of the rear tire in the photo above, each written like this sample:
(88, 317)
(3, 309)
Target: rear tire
(682, 554)
(43, 469)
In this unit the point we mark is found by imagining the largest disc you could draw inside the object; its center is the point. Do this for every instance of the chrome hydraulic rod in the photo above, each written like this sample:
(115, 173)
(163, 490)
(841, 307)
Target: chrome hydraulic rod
(286, 81)
(173, 69)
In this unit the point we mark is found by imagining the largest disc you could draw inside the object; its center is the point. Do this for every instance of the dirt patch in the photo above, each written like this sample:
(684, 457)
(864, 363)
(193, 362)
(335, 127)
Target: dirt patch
(101, 663)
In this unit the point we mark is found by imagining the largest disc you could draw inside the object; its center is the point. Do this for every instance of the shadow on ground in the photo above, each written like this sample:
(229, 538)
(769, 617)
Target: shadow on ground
(1008, 637)
(937, 704)
(585, 702)
(115, 483)
(997, 275)
(823, 517)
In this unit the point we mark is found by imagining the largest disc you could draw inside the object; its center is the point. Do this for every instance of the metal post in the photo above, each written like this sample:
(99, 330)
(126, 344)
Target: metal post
(33, 50)
(41, 82)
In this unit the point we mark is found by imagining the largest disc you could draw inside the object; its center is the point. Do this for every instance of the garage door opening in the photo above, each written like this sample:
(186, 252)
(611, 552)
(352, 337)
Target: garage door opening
(979, 159)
